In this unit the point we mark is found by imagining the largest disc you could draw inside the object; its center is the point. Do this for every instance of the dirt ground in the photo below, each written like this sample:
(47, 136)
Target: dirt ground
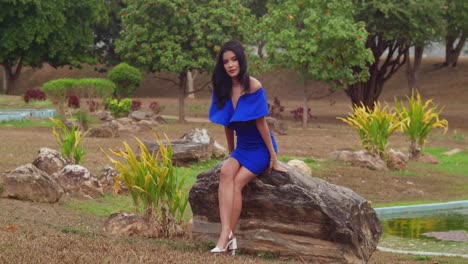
(56, 234)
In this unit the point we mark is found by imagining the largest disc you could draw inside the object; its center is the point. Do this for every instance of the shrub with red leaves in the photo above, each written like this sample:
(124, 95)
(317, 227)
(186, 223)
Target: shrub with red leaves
(34, 94)
(276, 108)
(73, 101)
(298, 112)
(155, 107)
(136, 105)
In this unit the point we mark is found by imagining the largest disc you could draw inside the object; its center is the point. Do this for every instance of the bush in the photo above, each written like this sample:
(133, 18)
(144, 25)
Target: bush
(276, 108)
(126, 78)
(418, 120)
(69, 141)
(119, 108)
(153, 182)
(34, 94)
(155, 107)
(374, 126)
(136, 105)
(73, 101)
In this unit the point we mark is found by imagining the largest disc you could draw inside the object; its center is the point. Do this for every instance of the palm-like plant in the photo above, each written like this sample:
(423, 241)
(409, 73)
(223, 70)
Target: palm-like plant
(418, 119)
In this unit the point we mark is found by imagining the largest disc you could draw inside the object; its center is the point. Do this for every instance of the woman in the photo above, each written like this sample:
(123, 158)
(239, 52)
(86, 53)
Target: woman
(240, 105)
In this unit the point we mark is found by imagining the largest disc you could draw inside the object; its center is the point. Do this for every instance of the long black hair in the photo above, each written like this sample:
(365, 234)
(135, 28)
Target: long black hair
(222, 82)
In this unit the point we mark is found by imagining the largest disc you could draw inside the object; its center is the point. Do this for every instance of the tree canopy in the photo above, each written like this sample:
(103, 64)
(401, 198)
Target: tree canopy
(58, 32)
(180, 35)
(319, 40)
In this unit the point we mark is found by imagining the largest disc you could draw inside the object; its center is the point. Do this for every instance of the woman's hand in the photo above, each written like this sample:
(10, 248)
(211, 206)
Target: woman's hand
(274, 165)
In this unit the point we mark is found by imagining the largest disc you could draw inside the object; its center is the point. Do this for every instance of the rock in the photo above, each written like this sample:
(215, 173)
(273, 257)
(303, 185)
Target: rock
(107, 179)
(125, 121)
(201, 135)
(27, 182)
(429, 159)
(141, 115)
(396, 160)
(361, 159)
(160, 120)
(77, 181)
(300, 166)
(147, 123)
(130, 224)
(184, 151)
(293, 215)
(50, 161)
(104, 115)
(106, 130)
(452, 152)
(278, 126)
(219, 151)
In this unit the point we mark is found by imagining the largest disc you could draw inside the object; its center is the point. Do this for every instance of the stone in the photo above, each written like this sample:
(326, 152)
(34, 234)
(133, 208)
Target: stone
(50, 161)
(219, 151)
(130, 224)
(27, 182)
(141, 115)
(277, 126)
(429, 159)
(452, 152)
(106, 130)
(293, 215)
(107, 179)
(361, 159)
(125, 121)
(184, 151)
(160, 119)
(78, 182)
(396, 160)
(301, 166)
(104, 115)
(201, 135)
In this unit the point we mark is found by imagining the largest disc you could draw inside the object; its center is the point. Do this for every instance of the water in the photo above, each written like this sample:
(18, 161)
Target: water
(21, 114)
(443, 231)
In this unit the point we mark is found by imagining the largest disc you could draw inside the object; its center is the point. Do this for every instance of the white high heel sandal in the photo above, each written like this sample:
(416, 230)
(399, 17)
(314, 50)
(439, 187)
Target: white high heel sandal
(228, 246)
(233, 246)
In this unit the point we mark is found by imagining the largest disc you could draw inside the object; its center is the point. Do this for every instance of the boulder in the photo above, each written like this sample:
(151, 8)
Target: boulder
(201, 135)
(78, 182)
(104, 115)
(396, 160)
(141, 115)
(107, 179)
(27, 182)
(293, 215)
(184, 151)
(301, 166)
(429, 159)
(106, 130)
(130, 224)
(277, 126)
(50, 161)
(361, 159)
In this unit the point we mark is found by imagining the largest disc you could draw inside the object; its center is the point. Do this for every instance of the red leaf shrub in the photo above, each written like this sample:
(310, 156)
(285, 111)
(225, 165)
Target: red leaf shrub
(73, 101)
(136, 105)
(34, 94)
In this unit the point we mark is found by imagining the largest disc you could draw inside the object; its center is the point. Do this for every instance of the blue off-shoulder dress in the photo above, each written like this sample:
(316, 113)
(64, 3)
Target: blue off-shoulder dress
(251, 151)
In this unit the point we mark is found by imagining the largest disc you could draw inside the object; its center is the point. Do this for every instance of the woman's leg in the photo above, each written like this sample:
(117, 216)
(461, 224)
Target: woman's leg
(241, 179)
(225, 198)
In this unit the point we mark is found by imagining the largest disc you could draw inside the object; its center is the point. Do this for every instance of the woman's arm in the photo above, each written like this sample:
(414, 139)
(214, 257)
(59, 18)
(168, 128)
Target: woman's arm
(230, 139)
(262, 127)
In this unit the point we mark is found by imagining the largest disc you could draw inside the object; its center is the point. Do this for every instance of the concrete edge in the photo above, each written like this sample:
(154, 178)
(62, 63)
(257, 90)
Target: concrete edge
(383, 211)
(424, 253)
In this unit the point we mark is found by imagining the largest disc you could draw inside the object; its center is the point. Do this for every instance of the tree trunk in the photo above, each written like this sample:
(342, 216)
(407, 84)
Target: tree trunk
(12, 76)
(366, 93)
(4, 81)
(190, 81)
(260, 46)
(413, 70)
(452, 53)
(305, 109)
(415, 151)
(182, 85)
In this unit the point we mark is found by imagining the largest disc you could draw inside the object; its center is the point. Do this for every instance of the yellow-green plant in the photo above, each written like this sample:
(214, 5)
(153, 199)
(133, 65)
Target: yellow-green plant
(153, 183)
(374, 126)
(418, 119)
(69, 140)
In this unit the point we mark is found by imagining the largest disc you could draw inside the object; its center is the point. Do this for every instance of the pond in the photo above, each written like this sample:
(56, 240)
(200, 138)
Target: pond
(439, 231)
(21, 114)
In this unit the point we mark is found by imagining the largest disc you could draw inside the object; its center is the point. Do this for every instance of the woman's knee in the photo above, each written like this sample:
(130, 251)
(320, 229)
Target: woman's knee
(226, 175)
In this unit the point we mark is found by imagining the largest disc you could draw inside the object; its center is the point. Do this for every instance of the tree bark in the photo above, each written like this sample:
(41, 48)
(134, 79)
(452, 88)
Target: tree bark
(413, 70)
(190, 81)
(4, 81)
(452, 53)
(182, 85)
(12, 75)
(305, 108)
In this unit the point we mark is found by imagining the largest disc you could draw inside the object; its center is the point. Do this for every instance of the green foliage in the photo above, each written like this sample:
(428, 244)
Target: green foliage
(153, 182)
(456, 15)
(180, 35)
(119, 108)
(57, 32)
(69, 141)
(127, 78)
(95, 87)
(374, 126)
(418, 119)
(318, 39)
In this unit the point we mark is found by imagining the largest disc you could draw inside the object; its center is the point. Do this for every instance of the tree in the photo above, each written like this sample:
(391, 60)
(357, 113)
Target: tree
(456, 15)
(180, 35)
(393, 28)
(319, 40)
(58, 32)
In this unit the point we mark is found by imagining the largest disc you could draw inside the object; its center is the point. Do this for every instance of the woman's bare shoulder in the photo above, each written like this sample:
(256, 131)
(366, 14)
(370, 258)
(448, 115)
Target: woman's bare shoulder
(254, 84)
